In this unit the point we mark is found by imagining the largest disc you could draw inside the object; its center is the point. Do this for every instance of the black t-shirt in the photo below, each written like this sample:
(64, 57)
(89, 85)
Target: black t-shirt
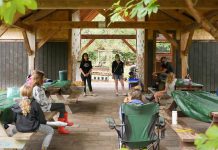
(86, 66)
(117, 68)
(167, 66)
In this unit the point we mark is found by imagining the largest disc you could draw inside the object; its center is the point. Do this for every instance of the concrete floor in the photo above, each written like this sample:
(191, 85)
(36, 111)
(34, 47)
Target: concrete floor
(93, 133)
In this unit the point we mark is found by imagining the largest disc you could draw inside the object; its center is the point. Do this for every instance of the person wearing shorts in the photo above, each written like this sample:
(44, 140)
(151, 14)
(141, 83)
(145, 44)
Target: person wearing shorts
(117, 72)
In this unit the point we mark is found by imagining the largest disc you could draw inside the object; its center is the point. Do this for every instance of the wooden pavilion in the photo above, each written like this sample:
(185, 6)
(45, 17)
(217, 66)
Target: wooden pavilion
(52, 37)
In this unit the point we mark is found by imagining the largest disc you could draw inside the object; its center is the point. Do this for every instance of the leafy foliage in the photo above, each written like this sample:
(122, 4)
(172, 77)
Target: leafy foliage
(163, 47)
(209, 140)
(8, 8)
(139, 8)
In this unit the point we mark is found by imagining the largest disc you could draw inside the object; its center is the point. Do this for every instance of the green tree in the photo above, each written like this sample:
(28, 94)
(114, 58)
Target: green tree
(139, 8)
(8, 8)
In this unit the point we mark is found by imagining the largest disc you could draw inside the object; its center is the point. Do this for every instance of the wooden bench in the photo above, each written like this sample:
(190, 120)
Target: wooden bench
(49, 115)
(186, 135)
(18, 140)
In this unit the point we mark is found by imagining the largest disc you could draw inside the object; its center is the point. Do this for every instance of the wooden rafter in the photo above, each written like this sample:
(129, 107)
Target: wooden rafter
(38, 15)
(90, 15)
(204, 22)
(178, 16)
(3, 29)
(50, 34)
(211, 16)
(169, 38)
(101, 36)
(105, 4)
(27, 42)
(85, 24)
(87, 45)
(129, 45)
(22, 26)
(102, 12)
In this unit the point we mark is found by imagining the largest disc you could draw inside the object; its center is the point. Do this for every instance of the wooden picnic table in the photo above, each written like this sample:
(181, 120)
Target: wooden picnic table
(192, 86)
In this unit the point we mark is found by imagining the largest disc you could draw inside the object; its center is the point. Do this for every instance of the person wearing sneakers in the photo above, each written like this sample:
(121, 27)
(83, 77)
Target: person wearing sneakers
(86, 69)
(46, 104)
(117, 72)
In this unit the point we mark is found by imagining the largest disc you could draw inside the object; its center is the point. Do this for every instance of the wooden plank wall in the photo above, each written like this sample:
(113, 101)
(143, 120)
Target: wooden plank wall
(13, 61)
(51, 58)
(203, 58)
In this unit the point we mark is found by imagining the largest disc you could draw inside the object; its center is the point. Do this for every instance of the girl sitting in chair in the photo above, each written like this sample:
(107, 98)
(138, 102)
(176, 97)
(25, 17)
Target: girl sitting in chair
(134, 96)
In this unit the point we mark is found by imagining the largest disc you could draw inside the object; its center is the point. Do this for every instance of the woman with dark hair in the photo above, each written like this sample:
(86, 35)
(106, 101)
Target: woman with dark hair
(86, 69)
(117, 71)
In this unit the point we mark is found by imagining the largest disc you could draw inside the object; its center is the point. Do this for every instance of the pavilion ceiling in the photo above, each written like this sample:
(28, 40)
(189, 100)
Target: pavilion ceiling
(172, 15)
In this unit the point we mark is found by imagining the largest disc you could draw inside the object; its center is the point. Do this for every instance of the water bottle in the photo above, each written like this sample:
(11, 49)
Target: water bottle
(174, 117)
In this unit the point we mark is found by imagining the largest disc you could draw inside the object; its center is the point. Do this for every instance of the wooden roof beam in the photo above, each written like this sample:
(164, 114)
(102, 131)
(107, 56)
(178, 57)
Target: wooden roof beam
(86, 46)
(178, 16)
(129, 45)
(38, 15)
(48, 36)
(27, 43)
(105, 4)
(3, 29)
(90, 16)
(85, 24)
(169, 38)
(204, 22)
(101, 36)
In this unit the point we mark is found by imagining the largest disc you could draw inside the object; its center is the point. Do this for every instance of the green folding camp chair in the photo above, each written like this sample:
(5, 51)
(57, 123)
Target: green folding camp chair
(140, 128)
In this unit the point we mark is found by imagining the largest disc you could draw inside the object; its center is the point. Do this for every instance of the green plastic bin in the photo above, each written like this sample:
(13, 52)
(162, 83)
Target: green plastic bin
(63, 75)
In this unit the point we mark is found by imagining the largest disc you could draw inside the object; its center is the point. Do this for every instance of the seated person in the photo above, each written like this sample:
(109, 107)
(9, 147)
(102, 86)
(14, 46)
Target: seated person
(134, 97)
(162, 75)
(28, 116)
(46, 104)
(169, 87)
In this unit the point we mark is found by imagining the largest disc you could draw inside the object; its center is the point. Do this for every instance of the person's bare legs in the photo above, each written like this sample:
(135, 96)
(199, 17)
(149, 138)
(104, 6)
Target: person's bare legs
(116, 86)
(158, 95)
(122, 84)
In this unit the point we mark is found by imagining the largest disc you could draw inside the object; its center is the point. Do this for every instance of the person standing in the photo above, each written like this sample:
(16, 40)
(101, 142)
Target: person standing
(117, 72)
(86, 69)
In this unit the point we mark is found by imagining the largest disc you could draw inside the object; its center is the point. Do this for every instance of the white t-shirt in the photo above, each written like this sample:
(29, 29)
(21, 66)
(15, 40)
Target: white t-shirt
(171, 87)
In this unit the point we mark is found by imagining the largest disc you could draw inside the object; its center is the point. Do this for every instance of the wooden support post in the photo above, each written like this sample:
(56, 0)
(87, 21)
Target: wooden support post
(129, 45)
(30, 43)
(146, 60)
(76, 46)
(69, 52)
(185, 42)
